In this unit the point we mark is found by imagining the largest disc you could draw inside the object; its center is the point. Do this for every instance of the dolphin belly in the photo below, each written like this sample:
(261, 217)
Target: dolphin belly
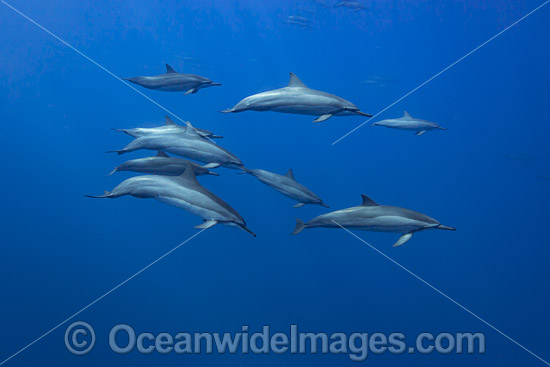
(292, 192)
(382, 223)
(300, 109)
(193, 208)
(176, 86)
(173, 88)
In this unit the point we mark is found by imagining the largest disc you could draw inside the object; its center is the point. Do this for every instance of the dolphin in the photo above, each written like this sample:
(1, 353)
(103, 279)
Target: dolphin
(370, 216)
(162, 164)
(354, 5)
(173, 81)
(407, 122)
(299, 99)
(183, 192)
(299, 21)
(188, 144)
(287, 186)
(169, 127)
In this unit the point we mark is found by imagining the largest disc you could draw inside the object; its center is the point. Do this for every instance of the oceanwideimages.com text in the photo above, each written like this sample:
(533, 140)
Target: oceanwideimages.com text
(124, 339)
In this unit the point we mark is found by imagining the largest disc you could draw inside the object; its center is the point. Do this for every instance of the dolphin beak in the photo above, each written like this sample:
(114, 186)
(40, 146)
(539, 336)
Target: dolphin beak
(248, 230)
(215, 84)
(362, 113)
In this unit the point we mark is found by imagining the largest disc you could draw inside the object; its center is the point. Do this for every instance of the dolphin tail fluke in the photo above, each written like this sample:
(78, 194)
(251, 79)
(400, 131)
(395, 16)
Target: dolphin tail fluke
(106, 194)
(441, 226)
(299, 226)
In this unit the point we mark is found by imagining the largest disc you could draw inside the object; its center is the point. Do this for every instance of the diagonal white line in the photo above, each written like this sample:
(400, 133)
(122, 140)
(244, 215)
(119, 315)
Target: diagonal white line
(444, 70)
(93, 61)
(100, 298)
(443, 294)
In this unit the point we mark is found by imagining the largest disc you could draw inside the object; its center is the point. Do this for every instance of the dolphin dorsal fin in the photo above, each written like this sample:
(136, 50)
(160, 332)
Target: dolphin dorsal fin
(190, 130)
(367, 201)
(290, 174)
(189, 175)
(169, 121)
(295, 82)
(160, 153)
(170, 70)
(407, 115)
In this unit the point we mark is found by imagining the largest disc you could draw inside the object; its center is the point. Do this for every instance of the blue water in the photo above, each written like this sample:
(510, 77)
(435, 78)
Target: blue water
(487, 175)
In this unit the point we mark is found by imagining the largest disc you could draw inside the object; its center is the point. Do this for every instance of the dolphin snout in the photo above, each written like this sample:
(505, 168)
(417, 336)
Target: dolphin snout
(215, 84)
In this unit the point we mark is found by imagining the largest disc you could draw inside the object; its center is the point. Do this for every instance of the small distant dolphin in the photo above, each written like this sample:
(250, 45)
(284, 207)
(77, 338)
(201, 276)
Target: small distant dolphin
(299, 99)
(299, 21)
(407, 122)
(170, 127)
(287, 186)
(354, 5)
(370, 216)
(162, 164)
(183, 192)
(188, 144)
(173, 81)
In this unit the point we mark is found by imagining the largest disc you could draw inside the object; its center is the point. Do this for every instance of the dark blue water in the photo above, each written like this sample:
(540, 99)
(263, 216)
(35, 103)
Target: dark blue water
(487, 175)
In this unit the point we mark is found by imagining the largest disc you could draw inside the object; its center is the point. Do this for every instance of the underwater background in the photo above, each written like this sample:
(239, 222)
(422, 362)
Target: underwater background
(488, 175)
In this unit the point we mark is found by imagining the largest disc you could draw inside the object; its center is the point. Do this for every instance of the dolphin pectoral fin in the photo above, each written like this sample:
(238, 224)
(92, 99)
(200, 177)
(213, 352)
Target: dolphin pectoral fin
(211, 165)
(299, 205)
(207, 224)
(323, 117)
(299, 226)
(420, 132)
(403, 239)
(191, 91)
